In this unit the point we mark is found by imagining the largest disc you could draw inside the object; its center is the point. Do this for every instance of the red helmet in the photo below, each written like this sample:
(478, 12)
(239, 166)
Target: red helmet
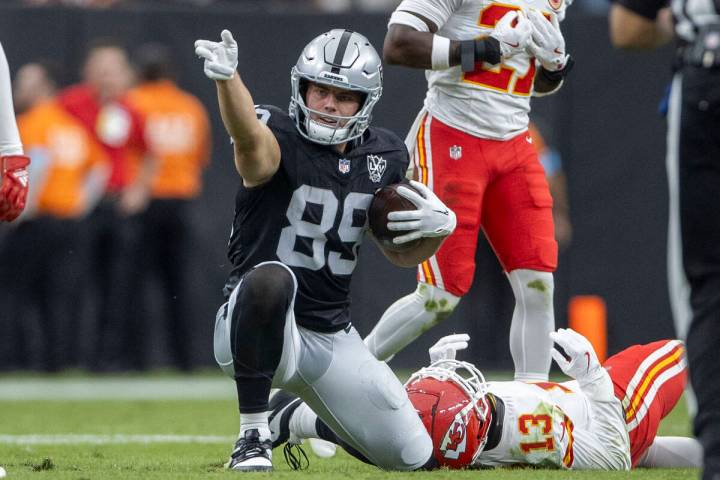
(451, 398)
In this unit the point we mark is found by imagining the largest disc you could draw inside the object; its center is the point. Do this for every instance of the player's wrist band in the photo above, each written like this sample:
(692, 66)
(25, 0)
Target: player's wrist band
(480, 50)
(558, 75)
(440, 57)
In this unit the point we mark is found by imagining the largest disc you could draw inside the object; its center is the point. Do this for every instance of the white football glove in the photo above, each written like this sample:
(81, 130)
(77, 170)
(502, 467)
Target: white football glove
(448, 346)
(431, 219)
(513, 39)
(583, 364)
(547, 43)
(221, 58)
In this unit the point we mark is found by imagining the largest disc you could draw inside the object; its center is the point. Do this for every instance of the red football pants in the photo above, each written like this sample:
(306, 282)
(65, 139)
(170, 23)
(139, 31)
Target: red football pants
(497, 185)
(649, 380)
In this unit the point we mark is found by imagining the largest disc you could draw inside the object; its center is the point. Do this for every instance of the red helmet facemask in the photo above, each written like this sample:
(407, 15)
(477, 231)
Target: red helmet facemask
(451, 398)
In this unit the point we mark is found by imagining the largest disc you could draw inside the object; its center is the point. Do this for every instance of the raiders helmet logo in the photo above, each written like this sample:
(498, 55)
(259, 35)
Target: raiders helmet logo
(455, 440)
(555, 4)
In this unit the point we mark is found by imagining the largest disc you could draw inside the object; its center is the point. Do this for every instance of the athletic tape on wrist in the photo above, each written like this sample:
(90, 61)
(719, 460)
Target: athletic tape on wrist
(440, 56)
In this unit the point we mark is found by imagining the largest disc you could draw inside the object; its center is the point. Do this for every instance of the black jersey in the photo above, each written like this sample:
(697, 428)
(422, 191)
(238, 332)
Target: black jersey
(312, 215)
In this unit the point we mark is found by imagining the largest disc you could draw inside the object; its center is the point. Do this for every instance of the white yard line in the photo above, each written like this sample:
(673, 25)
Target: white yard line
(71, 439)
(117, 389)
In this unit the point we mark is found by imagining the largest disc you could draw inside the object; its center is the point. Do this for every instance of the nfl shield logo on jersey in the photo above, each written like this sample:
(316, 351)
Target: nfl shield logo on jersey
(376, 167)
(555, 4)
(455, 152)
(344, 165)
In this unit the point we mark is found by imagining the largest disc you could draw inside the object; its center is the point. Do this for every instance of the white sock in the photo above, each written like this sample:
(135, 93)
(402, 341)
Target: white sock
(407, 318)
(532, 321)
(302, 422)
(249, 421)
(673, 452)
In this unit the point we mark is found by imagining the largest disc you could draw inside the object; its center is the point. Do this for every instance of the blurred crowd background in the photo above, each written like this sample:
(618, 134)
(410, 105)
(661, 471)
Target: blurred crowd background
(119, 260)
(325, 6)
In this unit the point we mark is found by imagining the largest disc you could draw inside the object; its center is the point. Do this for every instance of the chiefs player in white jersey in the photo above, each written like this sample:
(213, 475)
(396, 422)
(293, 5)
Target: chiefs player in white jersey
(605, 419)
(13, 164)
(470, 145)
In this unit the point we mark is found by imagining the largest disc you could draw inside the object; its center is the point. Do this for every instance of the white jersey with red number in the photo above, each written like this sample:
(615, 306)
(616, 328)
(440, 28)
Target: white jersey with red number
(556, 425)
(492, 101)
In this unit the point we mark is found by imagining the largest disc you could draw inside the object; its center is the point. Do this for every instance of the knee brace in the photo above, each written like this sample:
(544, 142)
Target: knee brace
(264, 296)
(257, 312)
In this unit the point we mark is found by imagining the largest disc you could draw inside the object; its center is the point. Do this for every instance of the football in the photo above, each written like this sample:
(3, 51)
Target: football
(387, 200)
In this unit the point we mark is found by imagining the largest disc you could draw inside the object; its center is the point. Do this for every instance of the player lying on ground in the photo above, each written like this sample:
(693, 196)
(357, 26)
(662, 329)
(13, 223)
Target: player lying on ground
(307, 180)
(13, 164)
(607, 418)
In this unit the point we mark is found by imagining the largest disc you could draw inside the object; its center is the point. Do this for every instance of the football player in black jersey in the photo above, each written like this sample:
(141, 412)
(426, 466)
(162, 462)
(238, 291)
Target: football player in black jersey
(307, 177)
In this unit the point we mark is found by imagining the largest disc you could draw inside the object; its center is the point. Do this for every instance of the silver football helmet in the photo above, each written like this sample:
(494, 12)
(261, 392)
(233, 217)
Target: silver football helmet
(343, 59)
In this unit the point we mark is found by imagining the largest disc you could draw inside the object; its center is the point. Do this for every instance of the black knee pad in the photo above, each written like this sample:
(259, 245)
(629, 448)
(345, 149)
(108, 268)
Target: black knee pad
(265, 295)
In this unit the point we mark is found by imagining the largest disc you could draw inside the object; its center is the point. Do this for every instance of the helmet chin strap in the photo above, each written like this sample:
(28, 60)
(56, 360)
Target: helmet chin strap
(324, 133)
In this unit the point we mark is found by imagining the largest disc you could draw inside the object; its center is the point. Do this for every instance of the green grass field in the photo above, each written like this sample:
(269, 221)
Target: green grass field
(175, 427)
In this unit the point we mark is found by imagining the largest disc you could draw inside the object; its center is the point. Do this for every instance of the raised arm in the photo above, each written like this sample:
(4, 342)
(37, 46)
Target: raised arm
(603, 443)
(257, 152)
(13, 164)
(9, 136)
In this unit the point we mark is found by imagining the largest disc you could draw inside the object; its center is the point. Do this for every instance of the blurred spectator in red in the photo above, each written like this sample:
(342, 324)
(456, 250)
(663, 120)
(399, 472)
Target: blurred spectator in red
(176, 130)
(43, 258)
(100, 105)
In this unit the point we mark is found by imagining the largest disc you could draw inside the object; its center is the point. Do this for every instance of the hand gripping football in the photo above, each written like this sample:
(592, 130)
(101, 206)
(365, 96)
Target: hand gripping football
(387, 200)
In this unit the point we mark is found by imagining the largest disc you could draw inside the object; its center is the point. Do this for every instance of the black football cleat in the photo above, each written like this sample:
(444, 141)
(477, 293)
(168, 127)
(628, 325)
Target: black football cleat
(251, 453)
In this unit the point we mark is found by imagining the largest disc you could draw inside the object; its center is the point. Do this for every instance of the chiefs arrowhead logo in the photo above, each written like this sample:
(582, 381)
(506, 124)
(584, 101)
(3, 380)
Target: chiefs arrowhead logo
(455, 440)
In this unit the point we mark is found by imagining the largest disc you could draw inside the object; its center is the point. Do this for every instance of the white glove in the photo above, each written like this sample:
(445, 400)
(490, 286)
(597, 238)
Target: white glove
(547, 43)
(447, 347)
(513, 39)
(221, 58)
(583, 365)
(431, 219)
